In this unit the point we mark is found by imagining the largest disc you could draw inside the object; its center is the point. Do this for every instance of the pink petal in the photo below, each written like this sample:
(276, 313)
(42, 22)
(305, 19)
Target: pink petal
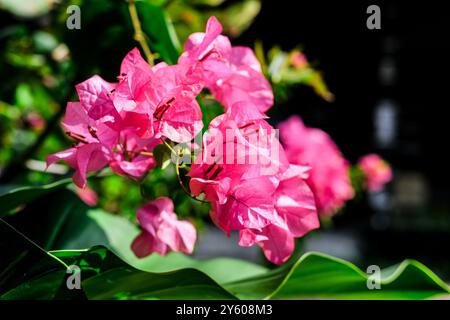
(250, 206)
(88, 196)
(178, 235)
(76, 120)
(69, 155)
(90, 157)
(136, 168)
(280, 245)
(247, 238)
(244, 56)
(142, 124)
(213, 30)
(145, 244)
(277, 243)
(136, 76)
(329, 175)
(296, 206)
(181, 122)
(133, 62)
(92, 91)
(248, 85)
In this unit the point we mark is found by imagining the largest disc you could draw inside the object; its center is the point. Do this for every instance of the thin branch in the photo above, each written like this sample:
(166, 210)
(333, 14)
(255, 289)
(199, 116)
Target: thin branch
(177, 170)
(139, 35)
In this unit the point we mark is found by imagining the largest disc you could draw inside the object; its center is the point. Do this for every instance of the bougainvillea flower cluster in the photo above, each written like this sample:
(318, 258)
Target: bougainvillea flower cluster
(376, 170)
(268, 200)
(162, 231)
(329, 175)
(242, 169)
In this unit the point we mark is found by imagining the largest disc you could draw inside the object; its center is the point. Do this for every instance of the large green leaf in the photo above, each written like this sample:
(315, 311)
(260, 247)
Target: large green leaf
(67, 223)
(128, 283)
(106, 276)
(12, 197)
(317, 275)
(27, 271)
(63, 222)
(120, 233)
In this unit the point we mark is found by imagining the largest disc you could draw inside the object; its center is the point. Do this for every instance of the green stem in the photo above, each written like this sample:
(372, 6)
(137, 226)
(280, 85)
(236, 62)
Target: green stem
(177, 170)
(139, 35)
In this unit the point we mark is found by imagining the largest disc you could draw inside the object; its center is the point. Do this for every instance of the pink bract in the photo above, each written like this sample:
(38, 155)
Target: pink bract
(329, 175)
(377, 171)
(120, 123)
(268, 208)
(162, 232)
(233, 74)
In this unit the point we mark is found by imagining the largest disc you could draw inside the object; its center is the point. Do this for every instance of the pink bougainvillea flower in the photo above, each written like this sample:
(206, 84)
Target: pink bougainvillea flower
(162, 231)
(176, 113)
(99, 144)
(133, 157)
(157, 100)
(329, 175)
(268, 208)
(269, 212)
(239, 142)
(233, 74)
(87, 195)
(295, 215)
(120, 123)
(377, 171)
(276, 243)
(90, 154)
(241, 168)
(245, 82)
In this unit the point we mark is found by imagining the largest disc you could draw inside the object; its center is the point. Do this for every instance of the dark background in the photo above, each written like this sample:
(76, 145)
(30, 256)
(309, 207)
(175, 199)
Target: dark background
(412, 218)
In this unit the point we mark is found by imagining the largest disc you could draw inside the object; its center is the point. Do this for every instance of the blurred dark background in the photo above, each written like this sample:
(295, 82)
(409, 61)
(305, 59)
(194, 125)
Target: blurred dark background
(391, 91)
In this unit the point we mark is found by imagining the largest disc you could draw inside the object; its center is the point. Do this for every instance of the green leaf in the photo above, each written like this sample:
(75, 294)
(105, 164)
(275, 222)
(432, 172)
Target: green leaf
(159, 29)
(63, 222)
(129, 283)
(121, 233)
(12, 197)
(26, 270)
(106, 276)
(29, 272)
(316, 275)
